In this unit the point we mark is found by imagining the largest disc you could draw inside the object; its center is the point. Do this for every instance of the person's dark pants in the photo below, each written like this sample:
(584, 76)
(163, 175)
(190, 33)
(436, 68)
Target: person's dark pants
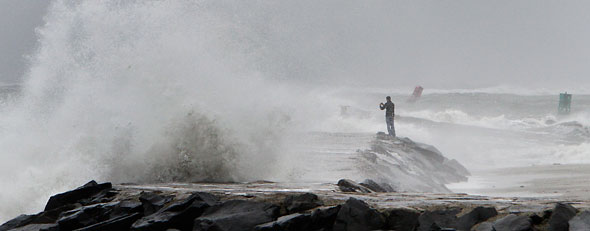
(390, 126)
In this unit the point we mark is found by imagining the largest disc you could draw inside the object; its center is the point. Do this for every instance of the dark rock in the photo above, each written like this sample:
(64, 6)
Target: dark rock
(236, 215)
(46, 217)
(37, 227)
(402, 219)
(103, 196)
(294, 222)
(153, 202)
(562, 213)
(117, 223)
(444, 218)
(19, 221)
(207, 198)
(302, 202)
(536, 219)
(291, 222)
(51, 216)
(357, 215)
(513, 222)
(324, 217)
(178, 215)
(85, 192)
(580, 222)
(85, 216)
(269, 226)
(484, 226)
(346, 185)
(373, 186)
(127, 207)
(476, 215)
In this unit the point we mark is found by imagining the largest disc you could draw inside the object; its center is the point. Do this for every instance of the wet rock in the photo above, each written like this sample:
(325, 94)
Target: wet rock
(51, 216)
(560, 216)
(357, 215)
(346, 185)
(443, 218)
(19, 221)
(373, 186)
(513, 222)
(236, 215)
(324, 217)
(178, 215)
(118, 223)
(127, 207)
(291, 222)
(153, 202)
(402, 219)
(85, 216)
(302, 202)
(84, 192)
(536, 219)
(37, 227)
(46, 217)
(476, 215)
(484, 226)
(580, 222)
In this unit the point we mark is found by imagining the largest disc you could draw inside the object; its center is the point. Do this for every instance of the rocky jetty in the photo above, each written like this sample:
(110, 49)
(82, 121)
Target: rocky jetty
(400, 164)
(271, 206)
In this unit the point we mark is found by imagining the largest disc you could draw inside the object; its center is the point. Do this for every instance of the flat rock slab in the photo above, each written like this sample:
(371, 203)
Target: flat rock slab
(236, 215)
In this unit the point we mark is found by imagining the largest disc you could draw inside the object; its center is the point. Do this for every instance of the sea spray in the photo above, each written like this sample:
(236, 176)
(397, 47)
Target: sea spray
(140, 91)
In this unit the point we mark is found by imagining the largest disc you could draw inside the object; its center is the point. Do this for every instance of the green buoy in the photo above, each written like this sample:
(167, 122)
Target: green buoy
(565, 102)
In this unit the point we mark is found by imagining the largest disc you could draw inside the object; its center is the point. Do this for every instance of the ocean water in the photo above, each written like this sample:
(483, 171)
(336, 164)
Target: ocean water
(490, 130)
(186, 91)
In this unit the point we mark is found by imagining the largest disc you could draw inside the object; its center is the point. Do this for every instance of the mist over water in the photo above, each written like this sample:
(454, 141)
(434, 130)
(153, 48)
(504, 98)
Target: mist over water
(142, 91)
(160, 91)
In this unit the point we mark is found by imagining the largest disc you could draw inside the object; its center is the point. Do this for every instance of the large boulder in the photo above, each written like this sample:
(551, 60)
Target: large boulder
(37, 227)
(291, 222)
(19, 221)
(153, 202)
(358, 216)
(302, 202)
(474, 217)
(122, 222)
(376, 187)
(45, 217)
(484, 226)
(580, 222)
(179, 214)
(84, 192)
(324, 217)
(402, 219)
(85, 216)
(236, 215)
(442, 218)
(513, 222)
(346, 185)
(560, 216)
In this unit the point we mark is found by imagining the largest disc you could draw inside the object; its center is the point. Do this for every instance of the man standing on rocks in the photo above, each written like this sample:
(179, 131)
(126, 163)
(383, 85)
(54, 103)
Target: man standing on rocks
(389, 108)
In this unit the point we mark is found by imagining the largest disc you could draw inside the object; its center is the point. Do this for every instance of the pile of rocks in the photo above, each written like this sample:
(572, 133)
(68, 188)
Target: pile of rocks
(101, 207)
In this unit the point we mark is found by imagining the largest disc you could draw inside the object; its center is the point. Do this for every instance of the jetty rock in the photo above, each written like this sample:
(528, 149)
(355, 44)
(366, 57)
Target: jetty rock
(283, 207)
(400, 164)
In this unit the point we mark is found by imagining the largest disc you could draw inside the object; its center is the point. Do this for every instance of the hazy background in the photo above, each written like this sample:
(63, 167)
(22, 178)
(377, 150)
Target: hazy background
(439, 44)
(181, 90)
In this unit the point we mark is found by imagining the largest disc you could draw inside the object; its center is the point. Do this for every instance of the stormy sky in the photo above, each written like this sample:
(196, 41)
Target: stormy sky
(438, 44)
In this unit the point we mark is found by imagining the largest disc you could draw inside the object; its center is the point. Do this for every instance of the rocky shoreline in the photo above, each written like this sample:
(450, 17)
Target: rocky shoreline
(279, 206)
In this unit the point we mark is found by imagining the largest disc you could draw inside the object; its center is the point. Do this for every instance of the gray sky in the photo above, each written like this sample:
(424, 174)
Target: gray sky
(439, 44)
(18, 19)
